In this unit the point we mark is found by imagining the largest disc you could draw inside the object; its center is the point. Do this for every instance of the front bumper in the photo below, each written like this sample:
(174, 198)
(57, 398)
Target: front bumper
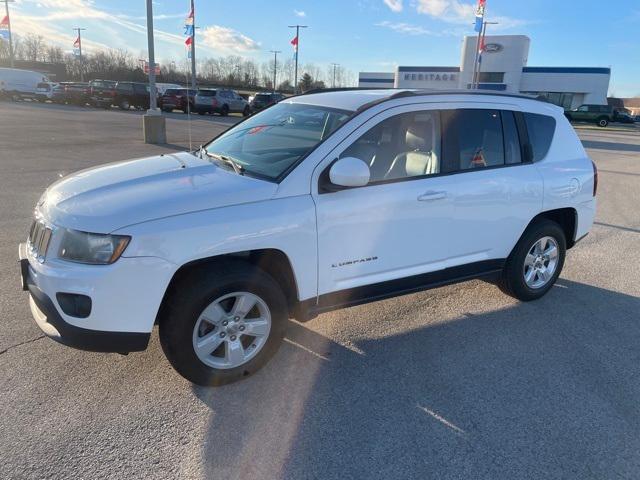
(112, 309)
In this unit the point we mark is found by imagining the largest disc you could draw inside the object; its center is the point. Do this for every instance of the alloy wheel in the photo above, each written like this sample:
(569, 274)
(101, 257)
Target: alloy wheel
(541, 262)
(231, 330)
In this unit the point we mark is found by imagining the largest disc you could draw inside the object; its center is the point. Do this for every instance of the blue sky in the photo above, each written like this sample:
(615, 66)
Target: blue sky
(361, 35)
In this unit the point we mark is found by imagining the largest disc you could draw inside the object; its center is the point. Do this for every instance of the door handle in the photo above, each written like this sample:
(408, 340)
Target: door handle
(429, 196)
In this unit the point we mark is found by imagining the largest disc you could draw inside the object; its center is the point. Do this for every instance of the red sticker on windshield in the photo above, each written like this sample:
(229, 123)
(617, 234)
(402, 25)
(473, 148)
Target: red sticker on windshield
(257, 129)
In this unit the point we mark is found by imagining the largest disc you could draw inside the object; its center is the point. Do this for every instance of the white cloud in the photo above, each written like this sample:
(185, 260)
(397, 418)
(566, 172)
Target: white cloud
(394, 5)
(225, 39)
(299, 13)
(47, 18)
(405, 28)
(455, 11)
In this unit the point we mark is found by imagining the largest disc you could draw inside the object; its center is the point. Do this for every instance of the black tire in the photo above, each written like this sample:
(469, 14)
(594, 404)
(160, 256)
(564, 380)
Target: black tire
(603, 122)
(124, 105)
(513, 282)
(166, 110)
(246, 112)
(224, 111)
(193, 293)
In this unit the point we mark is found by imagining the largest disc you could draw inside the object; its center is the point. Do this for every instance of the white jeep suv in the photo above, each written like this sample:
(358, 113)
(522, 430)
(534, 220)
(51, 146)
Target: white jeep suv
(322, 201)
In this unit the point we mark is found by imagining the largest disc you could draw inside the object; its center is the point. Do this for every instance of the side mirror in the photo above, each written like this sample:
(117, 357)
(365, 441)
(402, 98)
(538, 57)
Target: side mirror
(349, 172)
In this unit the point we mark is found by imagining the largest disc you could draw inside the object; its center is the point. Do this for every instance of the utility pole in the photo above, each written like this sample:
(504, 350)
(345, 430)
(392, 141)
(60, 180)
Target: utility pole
(297, 46)
(80, 49)
(333, 83)
(6, 9)
(193, 50)
(275, 67)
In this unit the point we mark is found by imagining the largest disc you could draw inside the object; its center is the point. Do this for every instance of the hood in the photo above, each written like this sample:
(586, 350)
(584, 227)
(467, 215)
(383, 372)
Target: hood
(109, 197)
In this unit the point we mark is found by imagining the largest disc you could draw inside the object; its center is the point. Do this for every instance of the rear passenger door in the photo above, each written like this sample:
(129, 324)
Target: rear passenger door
(495, 189)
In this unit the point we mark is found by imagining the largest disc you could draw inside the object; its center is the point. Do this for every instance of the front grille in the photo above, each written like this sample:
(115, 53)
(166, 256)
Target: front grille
(39, 238)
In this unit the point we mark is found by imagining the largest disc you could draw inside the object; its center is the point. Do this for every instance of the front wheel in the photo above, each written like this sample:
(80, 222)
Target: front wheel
(223, 323)
(536, 261)
(603, 122)
(225, 110)
(125, 105)
(246, 112)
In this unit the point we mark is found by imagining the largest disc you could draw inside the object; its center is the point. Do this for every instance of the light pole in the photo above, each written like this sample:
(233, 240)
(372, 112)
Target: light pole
(153, 123)
(275, 67)
(6, 9)
(333, 83)
(80, 51)
(297, 47)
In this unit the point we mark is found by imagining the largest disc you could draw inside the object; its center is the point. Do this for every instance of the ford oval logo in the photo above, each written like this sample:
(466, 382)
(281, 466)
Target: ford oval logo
(492, 47)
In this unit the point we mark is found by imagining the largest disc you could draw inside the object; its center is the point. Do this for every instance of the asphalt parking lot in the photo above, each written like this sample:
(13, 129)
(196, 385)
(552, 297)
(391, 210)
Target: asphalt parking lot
(458, 382)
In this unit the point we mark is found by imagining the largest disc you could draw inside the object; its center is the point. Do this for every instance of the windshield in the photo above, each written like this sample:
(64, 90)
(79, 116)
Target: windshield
(270, 142)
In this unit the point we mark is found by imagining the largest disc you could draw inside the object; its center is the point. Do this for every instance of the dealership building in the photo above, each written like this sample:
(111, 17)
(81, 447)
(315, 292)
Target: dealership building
(503, 68)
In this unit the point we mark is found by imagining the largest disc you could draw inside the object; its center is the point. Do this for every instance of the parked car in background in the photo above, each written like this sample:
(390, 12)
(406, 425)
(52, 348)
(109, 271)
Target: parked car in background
(75, 93)
(131, 94)
(284, 216)
(17, 83)
(44, 91)
(262, 100)
(177, 99)
(222, 101)
(601, 115)
(102, 93)
(161, 88)
(622, 117)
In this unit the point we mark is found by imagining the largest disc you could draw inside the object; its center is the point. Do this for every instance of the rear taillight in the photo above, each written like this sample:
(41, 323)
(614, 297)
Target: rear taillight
(595, 178)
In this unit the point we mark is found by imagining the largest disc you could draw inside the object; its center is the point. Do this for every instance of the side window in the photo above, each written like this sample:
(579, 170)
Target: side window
(406, 145)
(474, 138)
(583, 108)
(540, 129)
(511, 139)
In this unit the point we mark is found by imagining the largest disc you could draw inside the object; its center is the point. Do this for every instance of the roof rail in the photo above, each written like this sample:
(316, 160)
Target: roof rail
(340, 89)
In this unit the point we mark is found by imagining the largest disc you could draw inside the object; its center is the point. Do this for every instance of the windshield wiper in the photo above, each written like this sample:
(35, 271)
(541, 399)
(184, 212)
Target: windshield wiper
(239, 169)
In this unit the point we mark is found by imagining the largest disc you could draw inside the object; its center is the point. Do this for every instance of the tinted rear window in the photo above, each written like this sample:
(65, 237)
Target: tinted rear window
(540, 129)
(207, 93)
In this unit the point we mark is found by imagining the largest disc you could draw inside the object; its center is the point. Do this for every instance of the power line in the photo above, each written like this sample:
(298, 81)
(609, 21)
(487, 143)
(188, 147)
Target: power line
(333, 83)
(275, 67)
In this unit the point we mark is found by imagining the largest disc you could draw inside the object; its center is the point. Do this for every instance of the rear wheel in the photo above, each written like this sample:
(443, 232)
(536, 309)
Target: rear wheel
(536, 261)
(223, 323)
(603, 121)
(124, 104)
(246, 112)
(224, 111)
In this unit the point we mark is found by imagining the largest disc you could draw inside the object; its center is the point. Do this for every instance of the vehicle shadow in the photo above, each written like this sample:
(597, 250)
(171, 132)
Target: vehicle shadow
(600, 145)
(547, 389)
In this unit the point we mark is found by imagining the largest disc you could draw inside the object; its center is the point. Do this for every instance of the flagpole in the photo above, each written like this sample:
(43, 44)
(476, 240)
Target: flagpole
(6, 9)
(80, 52)
(295, 80)
(193, 49)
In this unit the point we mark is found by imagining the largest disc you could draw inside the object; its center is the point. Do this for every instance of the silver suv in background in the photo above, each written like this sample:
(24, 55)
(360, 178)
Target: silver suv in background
(220, 101)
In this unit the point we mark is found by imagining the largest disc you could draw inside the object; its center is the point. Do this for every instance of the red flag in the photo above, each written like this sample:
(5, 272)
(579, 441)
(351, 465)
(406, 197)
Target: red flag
(188, 41)
(4, 24)
(294, 42)
(76, 44)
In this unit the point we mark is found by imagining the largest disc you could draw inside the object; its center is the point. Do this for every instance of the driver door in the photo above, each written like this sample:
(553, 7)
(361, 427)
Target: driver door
(395, 228)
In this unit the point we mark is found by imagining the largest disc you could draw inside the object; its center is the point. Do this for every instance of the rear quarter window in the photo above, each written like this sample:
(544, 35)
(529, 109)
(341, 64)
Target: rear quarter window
(540, 129)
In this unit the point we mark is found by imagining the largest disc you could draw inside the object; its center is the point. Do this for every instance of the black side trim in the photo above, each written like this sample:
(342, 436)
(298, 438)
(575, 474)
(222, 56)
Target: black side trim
(401, 286)
(85, 339)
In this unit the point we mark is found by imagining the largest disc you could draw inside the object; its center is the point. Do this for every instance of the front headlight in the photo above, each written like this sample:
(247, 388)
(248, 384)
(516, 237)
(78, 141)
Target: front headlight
(93, 248)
